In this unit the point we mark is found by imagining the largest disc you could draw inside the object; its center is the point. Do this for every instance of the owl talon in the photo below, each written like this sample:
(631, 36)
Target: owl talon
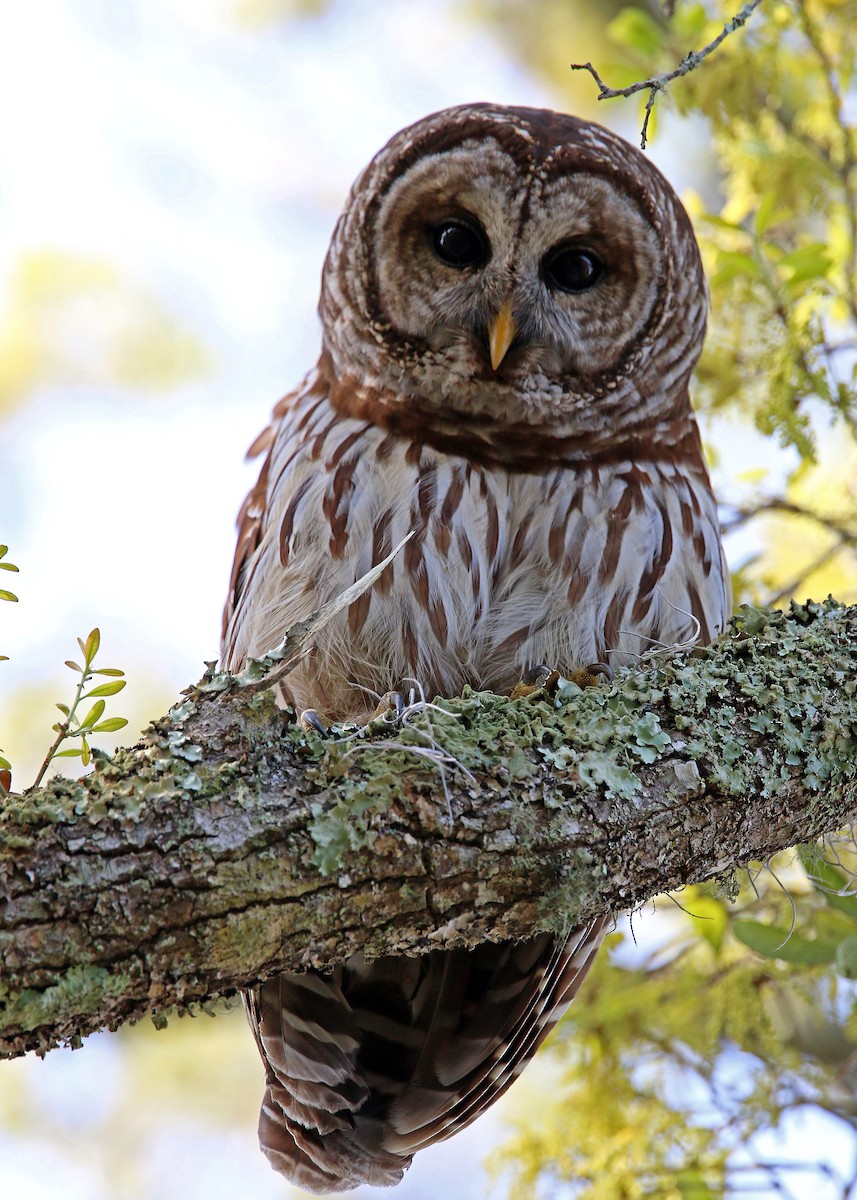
(544, 679)
(310, 721)
(390, 709)
(537, 679)
(592, 674)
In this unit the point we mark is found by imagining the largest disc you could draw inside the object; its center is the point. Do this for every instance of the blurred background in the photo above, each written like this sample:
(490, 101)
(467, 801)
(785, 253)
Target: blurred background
(170, 174)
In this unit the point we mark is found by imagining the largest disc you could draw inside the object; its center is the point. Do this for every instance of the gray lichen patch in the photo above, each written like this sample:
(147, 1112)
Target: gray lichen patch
(79, 990)
(684, 707)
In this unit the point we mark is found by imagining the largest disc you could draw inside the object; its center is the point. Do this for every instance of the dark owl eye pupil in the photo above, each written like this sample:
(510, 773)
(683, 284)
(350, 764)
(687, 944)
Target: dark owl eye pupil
(572, 269)
(459, 245)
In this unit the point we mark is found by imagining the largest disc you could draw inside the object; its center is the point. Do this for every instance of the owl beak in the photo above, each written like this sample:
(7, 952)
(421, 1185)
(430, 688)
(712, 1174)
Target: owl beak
(501, 334)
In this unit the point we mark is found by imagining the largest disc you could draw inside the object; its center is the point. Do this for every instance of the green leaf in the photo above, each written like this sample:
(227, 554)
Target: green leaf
(814, 254)
(806, 264)
(636, 30)
(692, 1186)
(64, 709)
(5, 765)
(85, 753)
(709, 918)
(836, 887)
(108, 671)
(75, 753)
(722, 223)
(4, 550)
(772, 941)
(765, 213)
(110, 725)
(7, 567)
(4, 595)
(94, 713)
(92, 644)
(106, 689)
(689, 22)
(732, 263)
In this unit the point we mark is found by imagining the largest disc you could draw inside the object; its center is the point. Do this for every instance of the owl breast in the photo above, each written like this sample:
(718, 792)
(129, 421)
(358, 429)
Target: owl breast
(566, 564)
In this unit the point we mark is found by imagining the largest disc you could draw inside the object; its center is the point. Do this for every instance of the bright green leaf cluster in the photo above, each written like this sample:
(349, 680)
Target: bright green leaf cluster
(76, 726)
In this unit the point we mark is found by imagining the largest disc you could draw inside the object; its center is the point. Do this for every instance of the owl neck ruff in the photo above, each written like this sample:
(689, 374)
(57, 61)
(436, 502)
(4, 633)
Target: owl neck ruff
(515, 446)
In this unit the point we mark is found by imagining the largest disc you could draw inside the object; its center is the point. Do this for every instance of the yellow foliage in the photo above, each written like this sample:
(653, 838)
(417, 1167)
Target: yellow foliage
(77, 321)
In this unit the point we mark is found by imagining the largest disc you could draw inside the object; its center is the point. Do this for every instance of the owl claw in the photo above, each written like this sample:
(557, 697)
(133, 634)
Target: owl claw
(592, 674)
(389, 710)
(312, 722)
(543, 678)
(536, 676)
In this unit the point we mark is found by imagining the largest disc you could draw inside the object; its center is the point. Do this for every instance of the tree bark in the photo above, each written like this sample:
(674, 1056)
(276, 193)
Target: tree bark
(228, 844)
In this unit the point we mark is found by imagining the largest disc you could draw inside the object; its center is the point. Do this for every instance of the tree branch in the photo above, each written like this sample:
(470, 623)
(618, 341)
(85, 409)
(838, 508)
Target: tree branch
(656, 83)
(228, 844)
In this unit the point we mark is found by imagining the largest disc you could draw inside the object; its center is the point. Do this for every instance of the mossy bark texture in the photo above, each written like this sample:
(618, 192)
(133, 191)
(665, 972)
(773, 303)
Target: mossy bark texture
(228, 845)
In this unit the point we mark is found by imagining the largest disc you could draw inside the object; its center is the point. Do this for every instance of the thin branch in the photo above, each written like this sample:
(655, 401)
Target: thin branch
(847, 535)
(657, 83)
(789, 589)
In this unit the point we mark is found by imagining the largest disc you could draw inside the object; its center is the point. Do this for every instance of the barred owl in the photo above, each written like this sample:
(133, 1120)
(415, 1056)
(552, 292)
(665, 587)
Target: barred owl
(511, 308)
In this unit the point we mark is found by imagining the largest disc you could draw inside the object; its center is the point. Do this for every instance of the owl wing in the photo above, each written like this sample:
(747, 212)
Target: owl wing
(251, 526)
(379, 1060)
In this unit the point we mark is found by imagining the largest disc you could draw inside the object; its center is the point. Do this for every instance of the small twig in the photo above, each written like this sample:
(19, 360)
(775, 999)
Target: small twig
(789, 589)
(63, 731)
(775, 504)
(656, 83)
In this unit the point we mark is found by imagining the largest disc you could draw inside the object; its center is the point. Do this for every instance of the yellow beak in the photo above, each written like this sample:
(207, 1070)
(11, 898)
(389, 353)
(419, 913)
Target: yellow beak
(501, 333)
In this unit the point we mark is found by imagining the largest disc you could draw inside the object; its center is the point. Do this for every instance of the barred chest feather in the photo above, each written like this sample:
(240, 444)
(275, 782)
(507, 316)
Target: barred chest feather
(575, 563)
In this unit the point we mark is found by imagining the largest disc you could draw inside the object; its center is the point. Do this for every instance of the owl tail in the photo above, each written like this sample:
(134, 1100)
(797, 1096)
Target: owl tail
(378, 1060)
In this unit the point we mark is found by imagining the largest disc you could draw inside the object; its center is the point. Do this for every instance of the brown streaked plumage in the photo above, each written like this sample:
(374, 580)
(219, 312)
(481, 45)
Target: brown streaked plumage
(511, 307)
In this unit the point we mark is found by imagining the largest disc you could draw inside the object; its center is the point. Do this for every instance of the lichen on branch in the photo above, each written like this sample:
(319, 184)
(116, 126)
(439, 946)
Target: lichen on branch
(229, 844)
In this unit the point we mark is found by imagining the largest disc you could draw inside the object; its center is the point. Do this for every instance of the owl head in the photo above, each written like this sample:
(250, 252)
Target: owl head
(517, 268)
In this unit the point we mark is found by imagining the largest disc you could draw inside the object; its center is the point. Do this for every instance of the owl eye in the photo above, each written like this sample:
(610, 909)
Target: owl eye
(572, 269)
(459, 244)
